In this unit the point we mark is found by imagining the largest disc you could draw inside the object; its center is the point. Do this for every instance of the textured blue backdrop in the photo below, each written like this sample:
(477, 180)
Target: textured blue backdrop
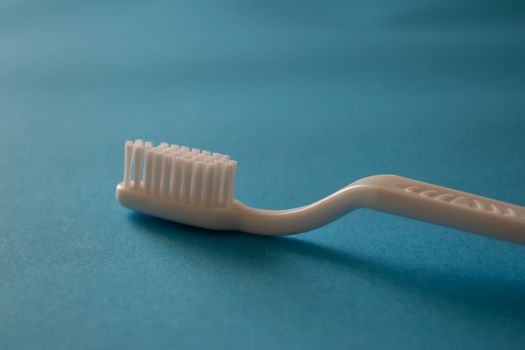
(308, 96)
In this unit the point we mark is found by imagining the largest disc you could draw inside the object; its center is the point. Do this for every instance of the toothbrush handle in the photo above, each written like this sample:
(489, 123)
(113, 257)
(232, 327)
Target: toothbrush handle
(445, 206)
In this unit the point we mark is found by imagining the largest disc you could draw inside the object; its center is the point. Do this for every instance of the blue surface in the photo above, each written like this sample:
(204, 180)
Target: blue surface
(308, 97)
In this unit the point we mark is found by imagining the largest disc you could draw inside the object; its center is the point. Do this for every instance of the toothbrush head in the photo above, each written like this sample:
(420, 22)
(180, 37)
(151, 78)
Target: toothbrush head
(178, 183)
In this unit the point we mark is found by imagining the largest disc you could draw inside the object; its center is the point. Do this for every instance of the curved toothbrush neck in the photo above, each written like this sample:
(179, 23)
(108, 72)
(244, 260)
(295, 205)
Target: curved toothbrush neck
(308, 217)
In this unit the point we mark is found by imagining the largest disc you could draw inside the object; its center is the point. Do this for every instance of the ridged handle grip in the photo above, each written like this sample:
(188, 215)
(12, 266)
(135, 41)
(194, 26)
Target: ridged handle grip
(445, 206)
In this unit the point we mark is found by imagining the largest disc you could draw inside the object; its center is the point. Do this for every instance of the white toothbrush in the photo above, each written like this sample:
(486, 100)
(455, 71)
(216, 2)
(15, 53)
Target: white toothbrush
(197, 187)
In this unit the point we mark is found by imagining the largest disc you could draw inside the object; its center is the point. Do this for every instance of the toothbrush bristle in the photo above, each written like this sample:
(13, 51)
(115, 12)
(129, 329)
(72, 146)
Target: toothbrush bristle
(178, 173)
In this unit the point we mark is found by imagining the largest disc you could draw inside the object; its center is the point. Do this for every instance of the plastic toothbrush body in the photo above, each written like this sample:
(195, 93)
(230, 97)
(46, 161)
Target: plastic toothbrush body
(196, 188)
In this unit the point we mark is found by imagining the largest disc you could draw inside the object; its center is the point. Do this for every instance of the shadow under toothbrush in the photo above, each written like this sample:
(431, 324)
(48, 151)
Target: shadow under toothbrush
(481, 295)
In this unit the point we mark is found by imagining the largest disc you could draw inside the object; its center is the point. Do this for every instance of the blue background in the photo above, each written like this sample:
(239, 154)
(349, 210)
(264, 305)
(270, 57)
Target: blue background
(308, 96)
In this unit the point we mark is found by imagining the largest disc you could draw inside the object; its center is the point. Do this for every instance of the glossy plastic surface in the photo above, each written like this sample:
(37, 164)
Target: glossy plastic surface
(388, 193)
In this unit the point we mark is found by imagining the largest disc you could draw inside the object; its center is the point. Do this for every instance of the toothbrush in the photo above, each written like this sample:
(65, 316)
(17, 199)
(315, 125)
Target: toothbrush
(196, 188)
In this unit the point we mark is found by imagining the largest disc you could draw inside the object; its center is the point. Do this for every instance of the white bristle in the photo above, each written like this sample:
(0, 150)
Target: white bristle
(221, 166)
(207, 184)
(148, 168)
(166, 174)
(179, 173)
(216, 183)
(157, 170)
(229, 187)
(227, 182)
(137, 163)
(173, 175)
(196, 182)
(128, 151)
(177, 179)
(186, 180)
